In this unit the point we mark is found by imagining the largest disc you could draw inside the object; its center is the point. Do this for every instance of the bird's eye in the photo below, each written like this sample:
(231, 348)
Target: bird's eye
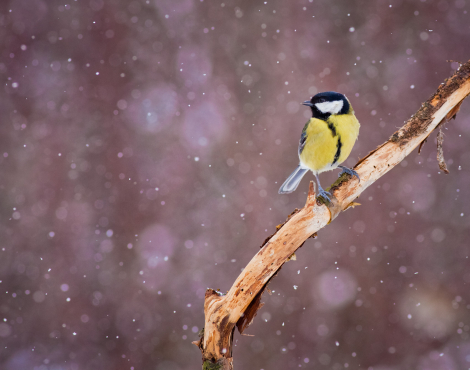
(322, 100)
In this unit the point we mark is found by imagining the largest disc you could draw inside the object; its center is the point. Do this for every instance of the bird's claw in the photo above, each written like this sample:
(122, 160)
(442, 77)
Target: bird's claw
(349, 172)
(324, 194)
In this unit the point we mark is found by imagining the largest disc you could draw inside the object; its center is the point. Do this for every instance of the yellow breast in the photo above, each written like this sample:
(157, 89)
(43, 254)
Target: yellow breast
(329, 143)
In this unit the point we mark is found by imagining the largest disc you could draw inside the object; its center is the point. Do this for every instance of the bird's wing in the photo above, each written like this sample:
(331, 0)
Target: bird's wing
(303, 138)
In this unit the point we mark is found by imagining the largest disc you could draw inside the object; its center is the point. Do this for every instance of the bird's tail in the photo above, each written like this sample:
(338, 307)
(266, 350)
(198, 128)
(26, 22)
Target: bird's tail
(293, 180)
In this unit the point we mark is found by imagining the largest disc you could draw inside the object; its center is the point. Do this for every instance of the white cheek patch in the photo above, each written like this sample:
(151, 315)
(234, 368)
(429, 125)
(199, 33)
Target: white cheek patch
(331, 107)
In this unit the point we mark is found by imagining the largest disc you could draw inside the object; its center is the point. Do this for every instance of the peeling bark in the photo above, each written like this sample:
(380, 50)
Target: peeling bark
(240, 304)
(440, 152)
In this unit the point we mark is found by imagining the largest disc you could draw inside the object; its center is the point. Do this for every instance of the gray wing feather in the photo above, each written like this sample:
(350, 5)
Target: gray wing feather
(303, 140)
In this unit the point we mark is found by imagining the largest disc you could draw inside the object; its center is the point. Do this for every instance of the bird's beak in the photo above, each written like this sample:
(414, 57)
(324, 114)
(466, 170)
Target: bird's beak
(307, 103)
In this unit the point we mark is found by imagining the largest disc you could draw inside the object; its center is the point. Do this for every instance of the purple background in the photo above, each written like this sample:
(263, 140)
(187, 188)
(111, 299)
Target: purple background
(142, 145)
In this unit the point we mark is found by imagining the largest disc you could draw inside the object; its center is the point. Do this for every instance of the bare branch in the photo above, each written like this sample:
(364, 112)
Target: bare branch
(239, 305)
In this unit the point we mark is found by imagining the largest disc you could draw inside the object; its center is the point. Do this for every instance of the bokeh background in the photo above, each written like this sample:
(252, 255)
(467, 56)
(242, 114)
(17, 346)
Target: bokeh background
(142, 144)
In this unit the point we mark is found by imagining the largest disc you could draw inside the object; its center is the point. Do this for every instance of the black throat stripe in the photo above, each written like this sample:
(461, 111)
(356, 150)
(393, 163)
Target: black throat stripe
(332, 128)
(338, 150)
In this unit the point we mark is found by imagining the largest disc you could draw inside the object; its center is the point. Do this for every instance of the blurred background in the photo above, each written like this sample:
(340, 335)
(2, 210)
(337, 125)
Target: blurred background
(142, 146)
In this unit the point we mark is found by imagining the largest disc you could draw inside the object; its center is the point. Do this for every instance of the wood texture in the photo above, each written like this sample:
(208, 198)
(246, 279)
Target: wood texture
(239, 305)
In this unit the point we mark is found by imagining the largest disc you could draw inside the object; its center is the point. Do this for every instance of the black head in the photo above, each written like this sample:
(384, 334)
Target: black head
(327, 103)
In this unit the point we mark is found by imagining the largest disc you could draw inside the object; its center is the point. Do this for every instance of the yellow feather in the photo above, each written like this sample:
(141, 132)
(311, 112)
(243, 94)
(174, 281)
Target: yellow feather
(321, 146)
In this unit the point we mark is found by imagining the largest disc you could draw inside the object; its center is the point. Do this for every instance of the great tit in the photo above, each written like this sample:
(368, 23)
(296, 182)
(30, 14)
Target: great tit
(326, 140)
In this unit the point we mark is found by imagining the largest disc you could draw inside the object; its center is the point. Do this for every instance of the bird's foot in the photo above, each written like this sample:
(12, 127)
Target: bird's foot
(324, 194)
(349, 172)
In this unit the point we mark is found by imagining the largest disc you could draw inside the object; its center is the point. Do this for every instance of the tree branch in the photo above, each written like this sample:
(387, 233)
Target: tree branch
(239, 305)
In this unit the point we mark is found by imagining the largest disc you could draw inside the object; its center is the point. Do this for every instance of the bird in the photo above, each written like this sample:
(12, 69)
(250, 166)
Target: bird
(326, 140)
